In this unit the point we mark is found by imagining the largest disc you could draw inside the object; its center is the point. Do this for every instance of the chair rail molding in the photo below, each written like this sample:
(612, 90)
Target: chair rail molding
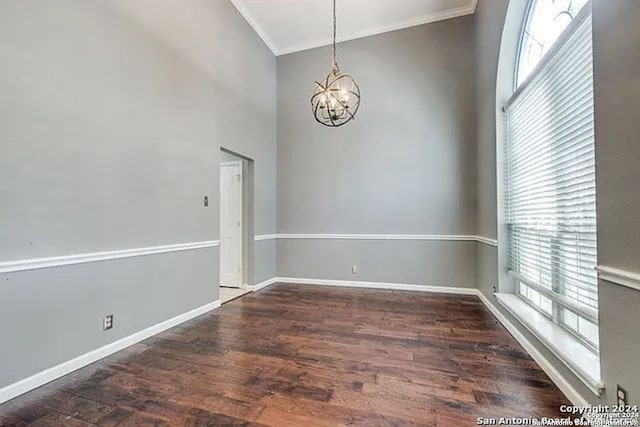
(261, 237)
(487, 241)
(58, 261)
(432, 237)
(619, 276)
(82, 258)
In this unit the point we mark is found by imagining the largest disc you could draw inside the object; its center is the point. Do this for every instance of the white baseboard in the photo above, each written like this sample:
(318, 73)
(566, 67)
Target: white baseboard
(243, 286)
(261, 285)
(565, 386)
(379, 285)
(48, 375)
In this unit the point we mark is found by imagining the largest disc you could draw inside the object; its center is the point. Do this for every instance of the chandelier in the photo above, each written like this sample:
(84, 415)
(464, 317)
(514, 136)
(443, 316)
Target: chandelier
(336, 98)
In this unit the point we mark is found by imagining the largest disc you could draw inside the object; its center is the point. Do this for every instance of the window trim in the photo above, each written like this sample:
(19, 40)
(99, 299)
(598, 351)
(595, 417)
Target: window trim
(576, 356)
(558, 305)
(587, 313)
(523, 29)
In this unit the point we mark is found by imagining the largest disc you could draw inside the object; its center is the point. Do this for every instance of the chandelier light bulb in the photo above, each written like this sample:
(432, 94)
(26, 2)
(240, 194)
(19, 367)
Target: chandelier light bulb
(344, 95)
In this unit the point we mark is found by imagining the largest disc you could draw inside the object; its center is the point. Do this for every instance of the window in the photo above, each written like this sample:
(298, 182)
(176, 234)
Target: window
(550, 169)
(546, 20)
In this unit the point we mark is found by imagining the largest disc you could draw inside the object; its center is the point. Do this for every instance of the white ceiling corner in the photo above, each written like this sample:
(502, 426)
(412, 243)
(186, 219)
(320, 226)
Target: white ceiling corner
(288, 26)
(244, 11)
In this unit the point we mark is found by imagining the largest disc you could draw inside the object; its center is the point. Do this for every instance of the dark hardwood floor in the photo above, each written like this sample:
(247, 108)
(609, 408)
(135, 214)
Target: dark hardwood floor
(298, 355)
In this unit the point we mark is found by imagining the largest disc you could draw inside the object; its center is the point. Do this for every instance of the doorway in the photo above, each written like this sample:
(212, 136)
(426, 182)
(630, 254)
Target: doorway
(233, 229)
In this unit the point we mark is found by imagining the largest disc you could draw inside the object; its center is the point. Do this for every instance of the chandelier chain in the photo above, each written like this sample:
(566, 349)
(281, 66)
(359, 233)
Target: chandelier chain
(335, 62)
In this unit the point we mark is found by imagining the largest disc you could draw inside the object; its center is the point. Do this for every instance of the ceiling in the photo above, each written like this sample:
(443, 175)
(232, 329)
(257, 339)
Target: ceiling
(292, 25)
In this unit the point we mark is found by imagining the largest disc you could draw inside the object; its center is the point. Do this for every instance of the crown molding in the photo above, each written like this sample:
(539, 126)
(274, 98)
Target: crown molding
(381, 29)
(239, 4)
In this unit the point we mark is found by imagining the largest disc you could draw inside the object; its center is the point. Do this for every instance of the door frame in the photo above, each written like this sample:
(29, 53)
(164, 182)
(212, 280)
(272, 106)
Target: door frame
(242, 273)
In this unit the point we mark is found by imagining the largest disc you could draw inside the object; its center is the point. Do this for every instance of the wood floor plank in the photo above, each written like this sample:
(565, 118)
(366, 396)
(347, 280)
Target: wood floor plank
(307, 355)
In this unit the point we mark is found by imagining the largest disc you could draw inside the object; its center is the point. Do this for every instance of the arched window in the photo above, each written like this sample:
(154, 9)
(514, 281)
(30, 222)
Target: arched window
(545, 21)
(548, 184)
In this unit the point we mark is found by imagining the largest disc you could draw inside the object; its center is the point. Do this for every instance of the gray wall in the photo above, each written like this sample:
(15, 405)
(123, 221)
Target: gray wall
(489, 20)
(406, 165)
(616, 49)
(264, 266)
(387, 261)
(111, 118)
(617, 101)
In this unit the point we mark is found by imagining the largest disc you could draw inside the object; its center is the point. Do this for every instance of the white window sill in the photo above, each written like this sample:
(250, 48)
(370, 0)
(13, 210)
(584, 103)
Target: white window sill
(583, 362)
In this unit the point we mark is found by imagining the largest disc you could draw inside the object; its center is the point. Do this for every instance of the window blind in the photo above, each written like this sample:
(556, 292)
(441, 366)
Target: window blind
(550, 179)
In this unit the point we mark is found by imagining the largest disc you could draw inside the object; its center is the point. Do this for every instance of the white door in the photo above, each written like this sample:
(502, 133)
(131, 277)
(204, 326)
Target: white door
(231, 224)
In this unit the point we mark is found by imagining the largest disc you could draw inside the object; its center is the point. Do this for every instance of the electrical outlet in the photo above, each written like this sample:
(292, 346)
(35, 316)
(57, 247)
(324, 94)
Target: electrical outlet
(108, 322)
(206, 201)
(621, 395)
(354, 269)
(494, 290)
